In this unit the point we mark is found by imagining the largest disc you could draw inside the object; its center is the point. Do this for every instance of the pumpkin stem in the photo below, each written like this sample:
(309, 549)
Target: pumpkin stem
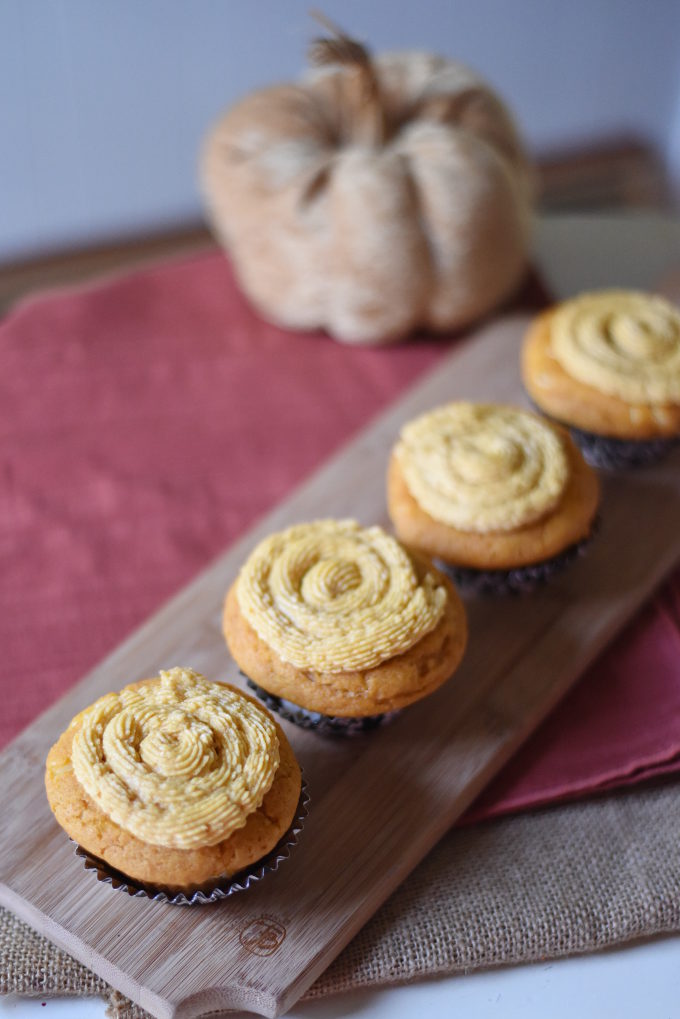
(366, 120)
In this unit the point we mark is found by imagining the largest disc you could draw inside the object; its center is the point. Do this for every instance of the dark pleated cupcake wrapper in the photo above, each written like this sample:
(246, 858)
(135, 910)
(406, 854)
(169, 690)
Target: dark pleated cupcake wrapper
(213, 891)
(519, 580)
(325, 725)
(611, 454)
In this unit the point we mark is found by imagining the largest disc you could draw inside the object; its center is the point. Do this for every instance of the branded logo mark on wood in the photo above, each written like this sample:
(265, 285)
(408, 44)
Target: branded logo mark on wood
(262, 936)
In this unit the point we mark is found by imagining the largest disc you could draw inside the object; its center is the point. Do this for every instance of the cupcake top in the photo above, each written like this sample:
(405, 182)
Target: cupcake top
(624, 343)
(176, 761)
(333, 596)
(483, 467)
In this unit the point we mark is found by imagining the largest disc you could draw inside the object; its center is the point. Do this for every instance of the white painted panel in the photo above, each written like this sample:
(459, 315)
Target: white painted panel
(103, 104)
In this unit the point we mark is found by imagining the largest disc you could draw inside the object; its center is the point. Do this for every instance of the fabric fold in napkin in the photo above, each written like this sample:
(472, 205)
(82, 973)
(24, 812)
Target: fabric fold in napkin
(149, 420)
(619, 725)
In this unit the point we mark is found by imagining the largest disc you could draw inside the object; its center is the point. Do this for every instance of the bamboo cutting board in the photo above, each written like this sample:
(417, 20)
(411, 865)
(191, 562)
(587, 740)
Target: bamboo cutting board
(380, 801)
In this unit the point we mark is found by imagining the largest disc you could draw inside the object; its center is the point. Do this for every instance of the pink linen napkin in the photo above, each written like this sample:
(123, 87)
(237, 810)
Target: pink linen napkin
(148, 420)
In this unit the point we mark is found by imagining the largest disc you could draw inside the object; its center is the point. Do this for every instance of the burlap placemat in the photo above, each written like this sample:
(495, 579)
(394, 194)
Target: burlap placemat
(556, 882)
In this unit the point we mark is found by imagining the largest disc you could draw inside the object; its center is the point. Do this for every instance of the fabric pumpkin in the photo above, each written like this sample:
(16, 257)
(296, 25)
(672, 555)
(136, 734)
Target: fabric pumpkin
(375, 197)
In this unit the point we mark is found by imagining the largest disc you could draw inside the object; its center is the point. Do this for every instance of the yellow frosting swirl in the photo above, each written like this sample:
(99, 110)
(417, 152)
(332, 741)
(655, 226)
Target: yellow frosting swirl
(333, 596)
(177, 762)
(621, 342)
(482, 467)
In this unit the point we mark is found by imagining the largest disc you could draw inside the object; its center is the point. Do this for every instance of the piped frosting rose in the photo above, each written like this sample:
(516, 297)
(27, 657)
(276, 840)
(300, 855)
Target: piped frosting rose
(178, 761)
(483, 467)
(333, 596)
(622, 342)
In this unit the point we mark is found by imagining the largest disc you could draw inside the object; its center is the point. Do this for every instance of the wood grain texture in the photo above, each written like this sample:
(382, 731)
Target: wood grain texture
(379, 802)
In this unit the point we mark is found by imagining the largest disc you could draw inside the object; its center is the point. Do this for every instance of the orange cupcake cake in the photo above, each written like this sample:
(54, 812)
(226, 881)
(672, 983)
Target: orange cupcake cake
(607, 365)
(499, 495)
(337, 625)
(175, 783)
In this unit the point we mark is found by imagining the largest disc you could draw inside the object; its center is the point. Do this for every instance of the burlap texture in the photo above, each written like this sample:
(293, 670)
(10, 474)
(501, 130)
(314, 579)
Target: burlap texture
(556, 882)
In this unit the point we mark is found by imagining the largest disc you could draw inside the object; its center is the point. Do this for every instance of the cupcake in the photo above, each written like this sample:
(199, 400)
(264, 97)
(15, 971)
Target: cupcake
(607, 365)
(176, 785)
(338, 626)
(500, 497)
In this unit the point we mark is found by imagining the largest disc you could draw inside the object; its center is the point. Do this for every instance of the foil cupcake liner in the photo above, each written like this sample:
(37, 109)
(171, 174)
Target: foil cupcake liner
(210, 892)
(520, 579)
(325, 725)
